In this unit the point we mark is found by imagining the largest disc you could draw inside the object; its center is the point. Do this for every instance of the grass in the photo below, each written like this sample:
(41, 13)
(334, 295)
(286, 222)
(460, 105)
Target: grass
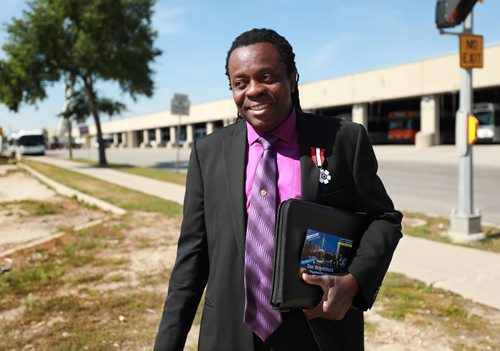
(58, 290)
(46, 267)
(462, 323)
(115, 194)
(84, 327)
(436, 228)
(35, 208)
(164, 175)
(406, 299)
(4, 160)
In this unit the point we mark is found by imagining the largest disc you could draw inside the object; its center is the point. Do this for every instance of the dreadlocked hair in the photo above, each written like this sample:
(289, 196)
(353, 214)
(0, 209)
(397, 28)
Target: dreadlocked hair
(282, 46)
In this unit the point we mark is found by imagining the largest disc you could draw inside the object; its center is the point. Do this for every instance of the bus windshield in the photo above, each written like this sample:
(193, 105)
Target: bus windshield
(485, 118)
(401, 124)
(31, 140)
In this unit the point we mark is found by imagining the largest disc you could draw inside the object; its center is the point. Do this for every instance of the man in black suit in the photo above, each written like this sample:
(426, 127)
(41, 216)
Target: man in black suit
(261, 69)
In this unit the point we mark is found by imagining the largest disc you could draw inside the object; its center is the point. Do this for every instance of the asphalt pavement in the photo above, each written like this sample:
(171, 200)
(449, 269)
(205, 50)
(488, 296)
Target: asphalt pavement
(471, 273)
(426, 180)
(418, 180)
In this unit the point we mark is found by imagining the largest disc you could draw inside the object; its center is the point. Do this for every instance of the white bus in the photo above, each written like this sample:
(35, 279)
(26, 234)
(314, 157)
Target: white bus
(488, 115)
(26, 142)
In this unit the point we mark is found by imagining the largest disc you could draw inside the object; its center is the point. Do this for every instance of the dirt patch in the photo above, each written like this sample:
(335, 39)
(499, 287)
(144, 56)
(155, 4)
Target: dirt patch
(30, 211)
(17, 185)
(393, 335)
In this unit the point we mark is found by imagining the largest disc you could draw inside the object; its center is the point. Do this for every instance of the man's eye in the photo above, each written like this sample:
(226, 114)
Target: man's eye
(239, 84)
(267, 77)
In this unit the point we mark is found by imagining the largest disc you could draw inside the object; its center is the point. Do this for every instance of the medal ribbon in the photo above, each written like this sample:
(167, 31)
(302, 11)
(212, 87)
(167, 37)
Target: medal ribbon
(318, 156)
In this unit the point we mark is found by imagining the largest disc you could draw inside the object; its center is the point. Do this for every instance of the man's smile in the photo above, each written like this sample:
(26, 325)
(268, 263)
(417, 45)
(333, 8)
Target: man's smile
(258, 107)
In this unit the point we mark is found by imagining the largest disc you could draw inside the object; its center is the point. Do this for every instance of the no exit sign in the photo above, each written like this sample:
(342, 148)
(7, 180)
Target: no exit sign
(471, 51)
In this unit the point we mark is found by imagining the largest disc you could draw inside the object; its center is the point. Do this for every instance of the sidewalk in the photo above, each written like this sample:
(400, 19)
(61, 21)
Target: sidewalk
(483, 155)
(471, 273)
(164, 190)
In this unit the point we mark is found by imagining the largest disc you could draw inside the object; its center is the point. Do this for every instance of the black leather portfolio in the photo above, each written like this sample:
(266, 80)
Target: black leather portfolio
(314, 239)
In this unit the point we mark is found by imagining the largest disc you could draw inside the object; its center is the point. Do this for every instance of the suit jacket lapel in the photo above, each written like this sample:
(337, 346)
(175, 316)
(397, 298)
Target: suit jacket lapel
(309, 173)
(234, 151)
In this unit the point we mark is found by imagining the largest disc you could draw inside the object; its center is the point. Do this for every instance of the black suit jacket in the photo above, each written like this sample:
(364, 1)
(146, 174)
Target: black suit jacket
(211, 245)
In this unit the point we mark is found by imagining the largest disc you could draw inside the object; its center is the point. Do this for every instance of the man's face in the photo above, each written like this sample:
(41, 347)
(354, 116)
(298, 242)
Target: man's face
(261, 87)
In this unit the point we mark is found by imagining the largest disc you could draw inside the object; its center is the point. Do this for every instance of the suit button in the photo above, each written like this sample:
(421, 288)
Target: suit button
(263, 192)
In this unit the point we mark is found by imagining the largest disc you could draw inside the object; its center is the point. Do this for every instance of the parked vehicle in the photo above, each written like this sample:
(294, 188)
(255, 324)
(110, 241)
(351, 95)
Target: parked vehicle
(403, 126)
(107, 139)
(26, 142)
(488, 115)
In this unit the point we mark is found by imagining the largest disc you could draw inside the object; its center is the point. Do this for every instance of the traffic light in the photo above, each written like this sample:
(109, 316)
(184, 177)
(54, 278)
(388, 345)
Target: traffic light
(450, 13)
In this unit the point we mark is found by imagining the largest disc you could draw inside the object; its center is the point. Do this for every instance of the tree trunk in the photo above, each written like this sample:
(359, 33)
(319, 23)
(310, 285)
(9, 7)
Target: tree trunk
(89, 89)
(68, 92)
(70, 138)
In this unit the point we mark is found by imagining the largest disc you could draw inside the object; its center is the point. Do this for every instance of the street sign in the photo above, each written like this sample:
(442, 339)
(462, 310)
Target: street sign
(180, 105)
(471, 51)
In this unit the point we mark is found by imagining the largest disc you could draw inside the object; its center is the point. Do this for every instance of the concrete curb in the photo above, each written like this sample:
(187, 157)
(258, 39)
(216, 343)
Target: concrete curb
(163, 190)
(66, 191)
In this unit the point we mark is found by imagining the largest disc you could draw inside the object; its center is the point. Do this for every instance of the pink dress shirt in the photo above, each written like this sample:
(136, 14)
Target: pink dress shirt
(287, 158)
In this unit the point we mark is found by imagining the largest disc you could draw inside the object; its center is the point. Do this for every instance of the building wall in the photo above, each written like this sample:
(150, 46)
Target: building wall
(420, 78)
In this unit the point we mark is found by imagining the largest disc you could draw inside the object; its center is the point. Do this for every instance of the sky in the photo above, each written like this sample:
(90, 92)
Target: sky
(331, 38)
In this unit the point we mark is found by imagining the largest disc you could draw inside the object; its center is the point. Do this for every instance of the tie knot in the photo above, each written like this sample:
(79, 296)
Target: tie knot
(267, 141)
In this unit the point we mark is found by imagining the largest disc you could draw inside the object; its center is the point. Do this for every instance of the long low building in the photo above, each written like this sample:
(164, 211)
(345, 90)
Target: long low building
(414, 103)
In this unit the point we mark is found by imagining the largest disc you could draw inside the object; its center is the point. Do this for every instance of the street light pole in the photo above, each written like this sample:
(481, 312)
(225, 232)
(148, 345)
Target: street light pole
(180, 107)
(177, 138)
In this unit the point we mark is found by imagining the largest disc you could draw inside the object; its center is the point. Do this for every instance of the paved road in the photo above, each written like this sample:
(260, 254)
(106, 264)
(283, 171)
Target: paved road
(432, 188)
(420, 180)
(425, 180)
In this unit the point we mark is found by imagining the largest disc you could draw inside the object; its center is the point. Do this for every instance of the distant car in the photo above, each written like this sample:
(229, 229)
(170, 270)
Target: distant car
(107, 139)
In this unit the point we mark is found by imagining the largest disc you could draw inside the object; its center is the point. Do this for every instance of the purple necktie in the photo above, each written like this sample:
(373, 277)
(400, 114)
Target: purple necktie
(259, 246)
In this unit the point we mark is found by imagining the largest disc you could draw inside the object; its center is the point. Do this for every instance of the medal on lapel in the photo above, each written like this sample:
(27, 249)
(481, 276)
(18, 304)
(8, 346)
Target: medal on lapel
(318, 156)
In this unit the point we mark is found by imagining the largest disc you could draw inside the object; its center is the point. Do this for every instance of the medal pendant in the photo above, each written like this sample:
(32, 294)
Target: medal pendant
(324, 176)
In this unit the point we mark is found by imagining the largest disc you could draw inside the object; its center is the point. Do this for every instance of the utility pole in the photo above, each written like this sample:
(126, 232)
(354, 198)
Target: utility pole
(465, 222)
(179, 106)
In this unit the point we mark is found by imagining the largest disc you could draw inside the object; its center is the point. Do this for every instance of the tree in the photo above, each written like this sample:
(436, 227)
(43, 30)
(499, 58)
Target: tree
(79, 41)
(76, 108)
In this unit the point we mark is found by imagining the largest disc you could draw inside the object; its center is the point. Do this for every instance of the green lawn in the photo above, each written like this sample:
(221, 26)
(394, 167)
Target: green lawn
(436, 228)
(115, 194)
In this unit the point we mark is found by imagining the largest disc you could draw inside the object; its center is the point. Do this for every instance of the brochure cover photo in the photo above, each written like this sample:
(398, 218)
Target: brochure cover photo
(324, 253)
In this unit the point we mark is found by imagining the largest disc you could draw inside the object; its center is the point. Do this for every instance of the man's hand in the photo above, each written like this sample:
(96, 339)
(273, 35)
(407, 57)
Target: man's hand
(338, 293)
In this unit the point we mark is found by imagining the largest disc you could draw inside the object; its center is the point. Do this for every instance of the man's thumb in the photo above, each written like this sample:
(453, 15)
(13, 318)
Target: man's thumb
(313, 279)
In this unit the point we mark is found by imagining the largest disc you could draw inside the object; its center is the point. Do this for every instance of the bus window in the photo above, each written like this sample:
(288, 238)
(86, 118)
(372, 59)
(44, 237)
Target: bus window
(484, 118)
(403, 126)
